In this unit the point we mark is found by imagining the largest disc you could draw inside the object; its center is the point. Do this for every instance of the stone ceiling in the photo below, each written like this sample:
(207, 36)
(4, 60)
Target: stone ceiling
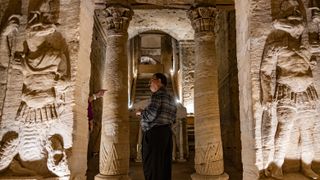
(180, 4)
(172, 22)
(168, 16)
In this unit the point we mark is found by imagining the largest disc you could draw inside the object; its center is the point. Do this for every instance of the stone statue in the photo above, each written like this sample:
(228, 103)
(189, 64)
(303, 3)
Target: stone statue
(287, 86)
(37, 143)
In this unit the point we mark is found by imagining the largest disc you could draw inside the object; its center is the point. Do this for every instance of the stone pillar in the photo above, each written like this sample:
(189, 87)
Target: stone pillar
(114, 147)
(186, 55)
(139, 146)
(208, 145)
(182, 145)
(166, 54)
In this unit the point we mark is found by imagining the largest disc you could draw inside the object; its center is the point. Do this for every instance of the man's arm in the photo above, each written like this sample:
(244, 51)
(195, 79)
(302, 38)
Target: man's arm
(267, 74)
(150, 113)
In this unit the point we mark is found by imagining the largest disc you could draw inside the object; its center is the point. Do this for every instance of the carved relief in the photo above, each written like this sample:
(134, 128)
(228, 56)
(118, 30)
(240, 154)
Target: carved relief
(107, 160)
(203, 19)
(186, 49)
(37, 143)
(288, 95)
(7, 45)
(115, 19)
(206, 156)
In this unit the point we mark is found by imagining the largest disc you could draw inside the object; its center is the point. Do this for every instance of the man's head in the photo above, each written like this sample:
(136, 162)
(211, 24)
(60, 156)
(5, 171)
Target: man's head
(157, 81)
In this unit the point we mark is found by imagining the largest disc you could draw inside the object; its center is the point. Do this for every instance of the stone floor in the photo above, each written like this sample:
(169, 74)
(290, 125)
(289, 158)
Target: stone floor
(180, 171)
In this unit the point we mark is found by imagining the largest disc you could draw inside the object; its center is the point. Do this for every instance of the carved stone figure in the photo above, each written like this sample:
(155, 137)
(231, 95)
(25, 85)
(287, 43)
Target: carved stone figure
(36, 143)
(287, 86)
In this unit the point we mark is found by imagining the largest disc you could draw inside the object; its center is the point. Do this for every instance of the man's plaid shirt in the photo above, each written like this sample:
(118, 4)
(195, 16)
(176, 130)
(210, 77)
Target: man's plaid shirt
(161, 110)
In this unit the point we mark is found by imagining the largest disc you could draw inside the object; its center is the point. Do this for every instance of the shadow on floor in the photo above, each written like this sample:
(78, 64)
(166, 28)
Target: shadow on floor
(180, 171)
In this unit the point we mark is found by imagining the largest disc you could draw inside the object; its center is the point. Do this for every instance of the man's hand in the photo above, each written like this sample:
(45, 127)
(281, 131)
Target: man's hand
(12, 26)
(138, 112)
(96, 95)
(90, 125)
(100, 93)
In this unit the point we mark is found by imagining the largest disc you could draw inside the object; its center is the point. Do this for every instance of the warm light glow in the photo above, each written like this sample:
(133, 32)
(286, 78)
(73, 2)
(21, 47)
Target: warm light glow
(178, 100)
(171, 71)
(190, 108)
(135, 73)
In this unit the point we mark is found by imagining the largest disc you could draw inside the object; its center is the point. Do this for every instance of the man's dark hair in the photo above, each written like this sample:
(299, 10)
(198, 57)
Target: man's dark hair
(162, 77)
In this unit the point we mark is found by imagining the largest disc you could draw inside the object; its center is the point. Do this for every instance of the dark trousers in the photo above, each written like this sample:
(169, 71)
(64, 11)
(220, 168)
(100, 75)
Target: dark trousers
(157, 153)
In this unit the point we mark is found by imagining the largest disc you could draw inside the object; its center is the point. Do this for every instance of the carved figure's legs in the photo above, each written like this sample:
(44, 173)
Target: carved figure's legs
(307, 171)
(57, 158)
(286, 117)
(8, 148)
(268, 128)
(306, 124)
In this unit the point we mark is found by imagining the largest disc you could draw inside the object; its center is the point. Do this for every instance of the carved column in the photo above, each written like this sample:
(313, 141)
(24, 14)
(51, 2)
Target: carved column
(208, 145)
(139, 146)
(114, 147)
(182, 141)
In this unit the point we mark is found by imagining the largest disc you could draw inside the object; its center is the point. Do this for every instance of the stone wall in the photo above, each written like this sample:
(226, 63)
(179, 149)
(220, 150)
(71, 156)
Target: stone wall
(187, 65)
(228, 88)
(145, 20)
(97, 58)
(244, 57)
(84, 27)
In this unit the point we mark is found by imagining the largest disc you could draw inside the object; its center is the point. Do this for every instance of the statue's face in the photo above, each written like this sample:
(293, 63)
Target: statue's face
(37, 35)
(290, 9)
(290, 18)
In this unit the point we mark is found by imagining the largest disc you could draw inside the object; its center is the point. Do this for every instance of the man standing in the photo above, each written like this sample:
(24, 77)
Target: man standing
(156, 120)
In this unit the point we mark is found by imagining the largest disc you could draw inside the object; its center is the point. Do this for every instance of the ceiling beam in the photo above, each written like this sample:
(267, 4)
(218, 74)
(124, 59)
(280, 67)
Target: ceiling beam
(168, 4)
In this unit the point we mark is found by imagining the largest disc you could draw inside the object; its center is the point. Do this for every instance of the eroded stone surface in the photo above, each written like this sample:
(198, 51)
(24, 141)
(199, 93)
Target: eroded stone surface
(38, 53)
(208, 146)
(145, 20)
(282, 96)
(288, 95)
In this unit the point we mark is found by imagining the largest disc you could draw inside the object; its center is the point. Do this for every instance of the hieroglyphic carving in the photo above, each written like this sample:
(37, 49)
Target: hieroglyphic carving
(186, 53)
(288, 95)
(39, 136)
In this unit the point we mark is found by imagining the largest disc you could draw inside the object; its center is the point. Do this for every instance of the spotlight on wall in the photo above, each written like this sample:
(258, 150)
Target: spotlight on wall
(135, 73)
(190, 108)
(171, 71)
